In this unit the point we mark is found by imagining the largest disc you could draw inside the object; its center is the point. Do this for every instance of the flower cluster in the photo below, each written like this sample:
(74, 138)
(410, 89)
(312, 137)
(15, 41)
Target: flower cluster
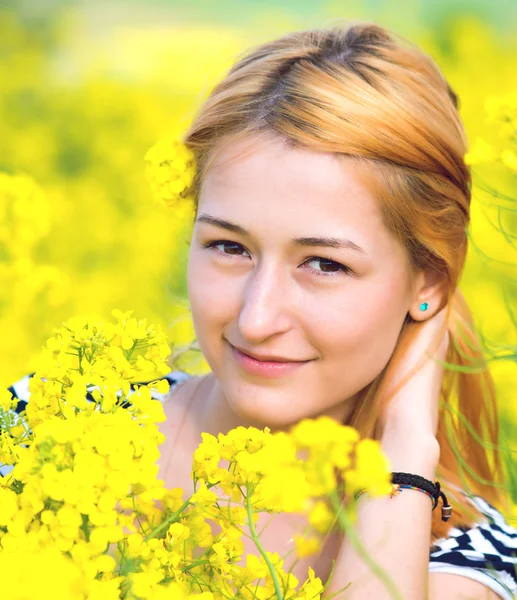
(308, 470)
(502, 112)
(84, 447)
(82, 508)
(170, 169)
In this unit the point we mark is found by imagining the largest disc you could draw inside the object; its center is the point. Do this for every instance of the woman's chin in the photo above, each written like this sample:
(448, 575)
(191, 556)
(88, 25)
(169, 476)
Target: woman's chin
(273, 415)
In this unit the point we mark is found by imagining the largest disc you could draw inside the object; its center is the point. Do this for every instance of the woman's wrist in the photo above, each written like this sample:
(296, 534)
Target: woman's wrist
(409, 453)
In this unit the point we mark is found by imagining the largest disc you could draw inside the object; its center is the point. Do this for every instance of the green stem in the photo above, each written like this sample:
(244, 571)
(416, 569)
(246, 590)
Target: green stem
(333, 568)
(172, 519)
(196, 563)
(351, 535)
(474, 433)
(142, 528)
(464, 464)
(256, 539)
(85, 528)
(131, 350)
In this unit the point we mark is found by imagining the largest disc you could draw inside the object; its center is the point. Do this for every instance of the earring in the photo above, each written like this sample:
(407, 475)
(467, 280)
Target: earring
(424, 306)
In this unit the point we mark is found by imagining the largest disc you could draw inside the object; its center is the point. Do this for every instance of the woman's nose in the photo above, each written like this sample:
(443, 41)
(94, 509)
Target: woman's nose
(264, 306)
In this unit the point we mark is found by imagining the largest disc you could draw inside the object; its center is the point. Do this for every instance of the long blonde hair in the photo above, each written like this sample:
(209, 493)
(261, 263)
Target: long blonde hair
(366, 94)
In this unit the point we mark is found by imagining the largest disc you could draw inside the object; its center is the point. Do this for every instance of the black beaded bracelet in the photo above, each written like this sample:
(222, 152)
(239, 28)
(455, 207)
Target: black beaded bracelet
(417, 482)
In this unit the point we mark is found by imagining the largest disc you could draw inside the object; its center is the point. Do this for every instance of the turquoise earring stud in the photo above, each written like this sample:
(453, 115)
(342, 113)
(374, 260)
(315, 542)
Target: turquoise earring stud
(424, 306)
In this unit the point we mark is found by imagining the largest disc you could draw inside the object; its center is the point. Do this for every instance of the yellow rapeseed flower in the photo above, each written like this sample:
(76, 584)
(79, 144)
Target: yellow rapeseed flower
(321, 517)
(170, 169)
(509, 159)
(306, 546)
(481, 152)
(7, 402)
(372, 470)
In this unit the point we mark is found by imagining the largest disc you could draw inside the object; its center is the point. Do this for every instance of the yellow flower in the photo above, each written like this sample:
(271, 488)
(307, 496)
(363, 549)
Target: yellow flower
(177, 533)
(509, 158)
(286, 488)
(320, 432)
(205, 500)
(100, 537)
(144, 583)
(321, 517)
(200, 530)
(170, 170)
(256, 568)
(312, 588)
(162, 386)
(68, 517)
(53, 575)
(104, 589)
(206, 459)
(306, 546)
(172, 499)
(7, 402)
(8, 506)
(219, 559)
(372, 470)
(480, 152)
(501, 108)
(9, 449)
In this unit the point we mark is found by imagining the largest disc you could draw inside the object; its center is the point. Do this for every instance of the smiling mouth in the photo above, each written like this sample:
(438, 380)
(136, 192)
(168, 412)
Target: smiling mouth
(268, 359)
(265, 369)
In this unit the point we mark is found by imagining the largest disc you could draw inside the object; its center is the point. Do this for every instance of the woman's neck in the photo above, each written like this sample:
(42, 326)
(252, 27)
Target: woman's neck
(215, 415)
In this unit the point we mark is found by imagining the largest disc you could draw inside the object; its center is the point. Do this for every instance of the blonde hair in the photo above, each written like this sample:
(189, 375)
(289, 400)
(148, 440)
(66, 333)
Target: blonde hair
(366, 94)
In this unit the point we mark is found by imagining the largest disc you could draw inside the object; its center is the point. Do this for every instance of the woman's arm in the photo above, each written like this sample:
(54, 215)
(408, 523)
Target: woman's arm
(395, 532)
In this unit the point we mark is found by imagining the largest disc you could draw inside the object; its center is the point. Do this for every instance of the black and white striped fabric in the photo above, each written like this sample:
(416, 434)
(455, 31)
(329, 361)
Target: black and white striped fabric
(486, 552)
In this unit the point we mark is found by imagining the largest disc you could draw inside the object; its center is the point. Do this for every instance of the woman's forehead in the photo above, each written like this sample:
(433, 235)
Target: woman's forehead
(266, 177)
(264, 164)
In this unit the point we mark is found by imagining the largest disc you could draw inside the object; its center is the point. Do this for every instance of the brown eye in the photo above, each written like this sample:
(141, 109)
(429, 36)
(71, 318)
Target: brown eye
(329, 267)
(232, 248)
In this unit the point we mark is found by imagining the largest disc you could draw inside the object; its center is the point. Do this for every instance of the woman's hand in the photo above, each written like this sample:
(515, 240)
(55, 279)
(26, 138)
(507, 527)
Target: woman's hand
(386, 529)
(413, 411)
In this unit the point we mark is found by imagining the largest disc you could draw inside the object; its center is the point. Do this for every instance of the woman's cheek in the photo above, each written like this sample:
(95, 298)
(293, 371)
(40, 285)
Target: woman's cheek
(356, 332)
(347, 318)
(213, 295)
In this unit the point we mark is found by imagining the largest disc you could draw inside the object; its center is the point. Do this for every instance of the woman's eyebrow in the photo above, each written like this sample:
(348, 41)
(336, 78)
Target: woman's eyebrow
(328, 242)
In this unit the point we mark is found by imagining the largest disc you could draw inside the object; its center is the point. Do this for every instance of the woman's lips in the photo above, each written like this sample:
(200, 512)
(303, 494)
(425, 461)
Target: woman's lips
(265, 368)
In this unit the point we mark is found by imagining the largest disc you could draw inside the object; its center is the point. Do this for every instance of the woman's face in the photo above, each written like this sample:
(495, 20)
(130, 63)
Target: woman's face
(289, 258)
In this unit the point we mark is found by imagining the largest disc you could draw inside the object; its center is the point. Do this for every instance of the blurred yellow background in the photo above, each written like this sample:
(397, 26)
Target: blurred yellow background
(86, 88)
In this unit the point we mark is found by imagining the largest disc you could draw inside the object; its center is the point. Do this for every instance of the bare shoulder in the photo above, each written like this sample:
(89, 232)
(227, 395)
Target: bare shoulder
(178, 403)
(180, 395)
(175, 450)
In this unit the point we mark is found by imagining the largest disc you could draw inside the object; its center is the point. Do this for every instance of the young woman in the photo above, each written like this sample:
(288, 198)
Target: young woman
(332, 204)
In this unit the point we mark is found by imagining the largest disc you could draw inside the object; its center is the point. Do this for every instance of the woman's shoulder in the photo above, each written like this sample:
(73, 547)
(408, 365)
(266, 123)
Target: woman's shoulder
(486, 552)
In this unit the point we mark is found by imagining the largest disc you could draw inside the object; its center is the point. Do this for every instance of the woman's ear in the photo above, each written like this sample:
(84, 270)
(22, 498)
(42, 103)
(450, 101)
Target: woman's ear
(429, 294)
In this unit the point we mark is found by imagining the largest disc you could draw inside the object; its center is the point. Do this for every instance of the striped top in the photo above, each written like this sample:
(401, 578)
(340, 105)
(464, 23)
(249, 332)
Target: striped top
(487, 552)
